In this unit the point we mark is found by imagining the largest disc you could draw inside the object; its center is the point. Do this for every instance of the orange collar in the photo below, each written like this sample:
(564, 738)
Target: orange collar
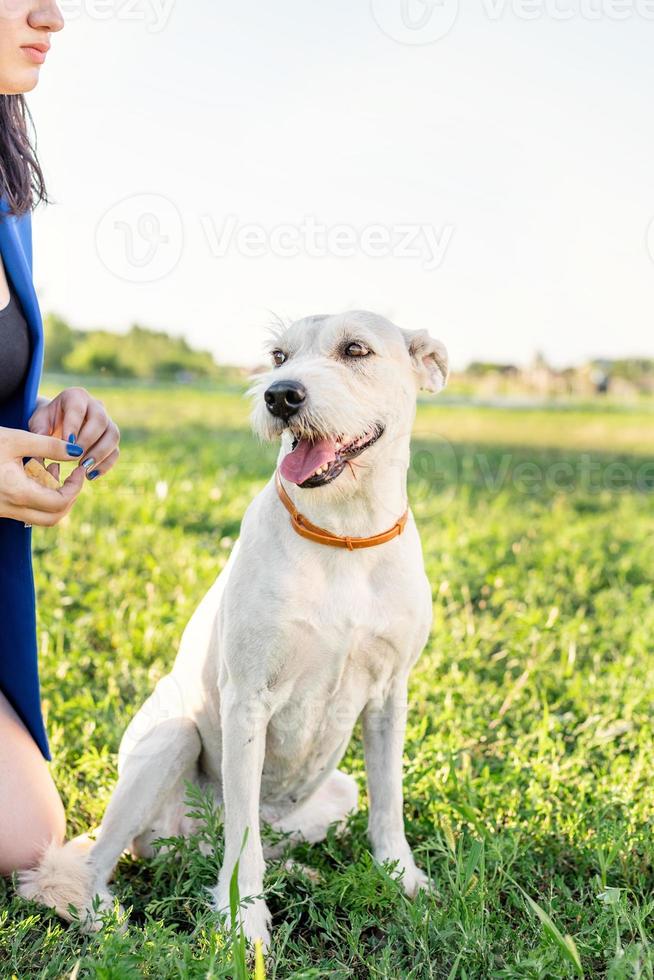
(319, 534)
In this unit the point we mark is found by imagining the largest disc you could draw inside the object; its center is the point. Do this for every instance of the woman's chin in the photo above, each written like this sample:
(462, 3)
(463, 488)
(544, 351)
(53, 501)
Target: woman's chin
(31, 79)
(21, 82)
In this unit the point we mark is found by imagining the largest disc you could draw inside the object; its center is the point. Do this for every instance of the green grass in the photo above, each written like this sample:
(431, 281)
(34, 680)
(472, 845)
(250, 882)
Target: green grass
(530, 748)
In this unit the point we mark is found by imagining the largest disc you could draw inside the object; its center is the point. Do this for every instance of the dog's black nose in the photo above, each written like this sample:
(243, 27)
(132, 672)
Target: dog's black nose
(285, 398)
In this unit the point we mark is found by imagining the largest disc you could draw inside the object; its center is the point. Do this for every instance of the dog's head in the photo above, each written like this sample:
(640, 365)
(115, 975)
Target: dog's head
(343, 387)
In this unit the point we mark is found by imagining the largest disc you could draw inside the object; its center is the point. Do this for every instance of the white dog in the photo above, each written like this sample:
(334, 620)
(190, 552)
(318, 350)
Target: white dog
(317, 619)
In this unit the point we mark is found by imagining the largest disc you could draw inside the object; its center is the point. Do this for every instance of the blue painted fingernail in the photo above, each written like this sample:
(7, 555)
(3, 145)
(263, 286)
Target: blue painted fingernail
(72, 437)
(88, 462)
(93, 474)
(74, 450)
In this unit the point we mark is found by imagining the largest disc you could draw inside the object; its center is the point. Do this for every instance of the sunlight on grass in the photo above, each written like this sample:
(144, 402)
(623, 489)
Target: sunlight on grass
(530, 744)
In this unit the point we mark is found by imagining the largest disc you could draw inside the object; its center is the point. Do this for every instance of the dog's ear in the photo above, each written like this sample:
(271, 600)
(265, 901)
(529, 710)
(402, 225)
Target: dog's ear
(429, 358)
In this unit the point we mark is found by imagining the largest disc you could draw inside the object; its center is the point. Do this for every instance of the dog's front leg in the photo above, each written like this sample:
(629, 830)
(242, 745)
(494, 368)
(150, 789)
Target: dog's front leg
(384, 724)
(244, 722)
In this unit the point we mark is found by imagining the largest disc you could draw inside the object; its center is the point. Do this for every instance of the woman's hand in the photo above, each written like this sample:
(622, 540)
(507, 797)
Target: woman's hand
(23, 499)
(77, 417)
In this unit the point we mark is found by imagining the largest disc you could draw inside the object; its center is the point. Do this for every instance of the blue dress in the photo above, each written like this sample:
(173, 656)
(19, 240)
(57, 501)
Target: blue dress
(19, 676)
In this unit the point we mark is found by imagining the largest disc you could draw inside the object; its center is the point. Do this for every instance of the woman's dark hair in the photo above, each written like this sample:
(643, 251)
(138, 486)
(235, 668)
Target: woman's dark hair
(22, 184)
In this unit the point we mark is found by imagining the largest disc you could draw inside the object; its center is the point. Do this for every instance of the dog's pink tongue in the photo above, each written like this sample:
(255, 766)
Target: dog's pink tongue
(305, 459)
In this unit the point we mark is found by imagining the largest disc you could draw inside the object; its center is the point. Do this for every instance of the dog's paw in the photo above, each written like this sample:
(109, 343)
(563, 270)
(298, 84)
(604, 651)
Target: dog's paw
(254, 917)
(295, 867)
(94, 916)
(63, 881)
(412, 879)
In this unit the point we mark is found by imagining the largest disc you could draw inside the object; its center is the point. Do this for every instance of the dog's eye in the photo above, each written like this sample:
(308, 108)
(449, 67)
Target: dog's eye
(278, 357)
(356, 349)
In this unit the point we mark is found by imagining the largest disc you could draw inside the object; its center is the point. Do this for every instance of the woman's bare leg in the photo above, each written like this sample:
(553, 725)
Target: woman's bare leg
(31, 813)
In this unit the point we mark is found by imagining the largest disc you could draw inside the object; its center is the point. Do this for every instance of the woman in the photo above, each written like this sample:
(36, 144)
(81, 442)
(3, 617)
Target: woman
(73, 426)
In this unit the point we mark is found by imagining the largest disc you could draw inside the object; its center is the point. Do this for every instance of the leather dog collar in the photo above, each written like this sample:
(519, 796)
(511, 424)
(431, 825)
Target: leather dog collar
(311, 531)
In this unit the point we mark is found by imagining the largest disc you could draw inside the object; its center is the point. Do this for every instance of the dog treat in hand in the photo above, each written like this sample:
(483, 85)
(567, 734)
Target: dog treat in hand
(37, 471)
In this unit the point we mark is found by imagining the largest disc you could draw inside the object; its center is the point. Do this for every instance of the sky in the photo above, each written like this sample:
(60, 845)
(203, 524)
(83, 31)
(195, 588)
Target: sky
(483, 170)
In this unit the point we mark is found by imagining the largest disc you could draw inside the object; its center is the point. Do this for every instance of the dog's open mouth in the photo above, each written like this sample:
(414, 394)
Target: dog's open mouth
(313, 463)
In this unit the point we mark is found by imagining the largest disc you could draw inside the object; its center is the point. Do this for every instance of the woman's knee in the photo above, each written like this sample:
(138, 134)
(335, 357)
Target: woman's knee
(22, 849)
(31, 812)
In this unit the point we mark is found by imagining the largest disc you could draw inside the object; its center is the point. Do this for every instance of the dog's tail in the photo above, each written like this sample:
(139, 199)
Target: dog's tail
(62, 877)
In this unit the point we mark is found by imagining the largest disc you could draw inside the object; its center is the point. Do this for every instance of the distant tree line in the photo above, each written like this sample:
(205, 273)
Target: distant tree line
(623, 377)
(139, 353)
(634, 369)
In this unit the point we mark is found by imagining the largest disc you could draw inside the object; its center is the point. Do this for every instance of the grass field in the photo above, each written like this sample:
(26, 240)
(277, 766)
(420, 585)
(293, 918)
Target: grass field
(530, 749)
